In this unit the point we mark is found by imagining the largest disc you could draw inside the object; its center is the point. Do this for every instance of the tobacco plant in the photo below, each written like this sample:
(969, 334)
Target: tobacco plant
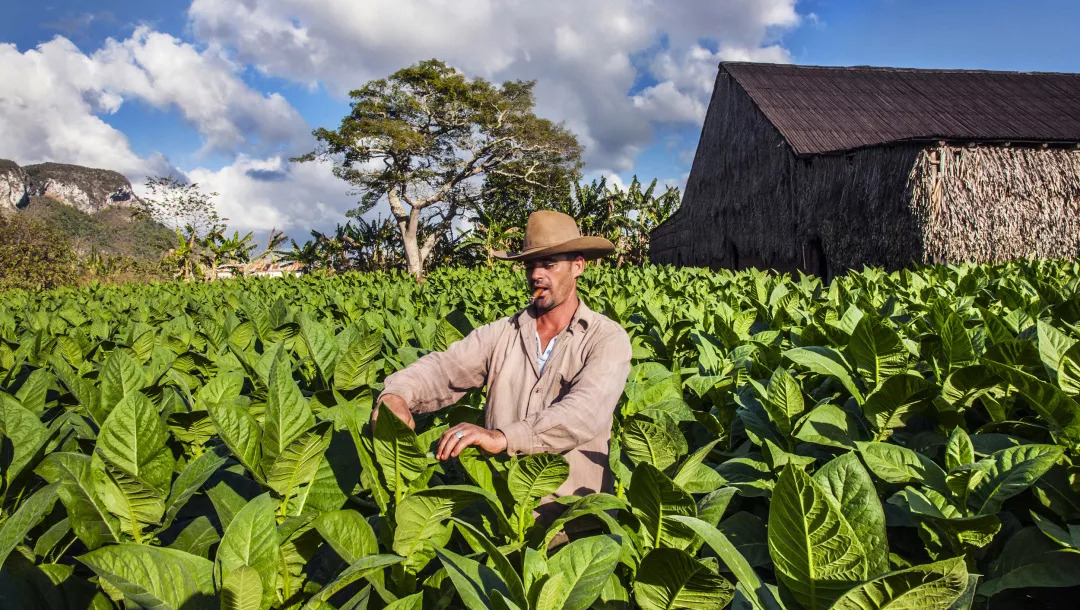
(900, 440)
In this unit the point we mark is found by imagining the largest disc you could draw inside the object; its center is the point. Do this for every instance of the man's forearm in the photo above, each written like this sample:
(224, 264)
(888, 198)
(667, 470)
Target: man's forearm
(397, 405)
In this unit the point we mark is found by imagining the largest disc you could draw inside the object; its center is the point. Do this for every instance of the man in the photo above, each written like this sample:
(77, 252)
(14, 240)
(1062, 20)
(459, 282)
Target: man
(554, 371)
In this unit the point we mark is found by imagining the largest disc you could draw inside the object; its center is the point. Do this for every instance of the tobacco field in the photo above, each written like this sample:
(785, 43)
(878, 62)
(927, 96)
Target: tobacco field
(888, 440)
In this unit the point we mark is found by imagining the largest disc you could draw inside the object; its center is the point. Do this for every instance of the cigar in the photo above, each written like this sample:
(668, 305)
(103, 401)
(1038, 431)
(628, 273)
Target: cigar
(536, 293)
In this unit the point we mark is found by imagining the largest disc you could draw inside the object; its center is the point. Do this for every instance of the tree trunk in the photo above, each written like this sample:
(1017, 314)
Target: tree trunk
(414, 261)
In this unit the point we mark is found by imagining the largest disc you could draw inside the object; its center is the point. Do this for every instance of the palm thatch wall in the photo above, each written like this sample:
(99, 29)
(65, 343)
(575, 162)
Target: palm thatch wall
(751, 201)
(996, 203)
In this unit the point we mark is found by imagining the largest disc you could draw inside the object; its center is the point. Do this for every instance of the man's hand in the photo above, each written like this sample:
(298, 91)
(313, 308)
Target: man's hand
(450, 445)
(397, 405)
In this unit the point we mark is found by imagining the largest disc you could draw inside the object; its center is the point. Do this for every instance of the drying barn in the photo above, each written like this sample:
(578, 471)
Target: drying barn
(830, 168)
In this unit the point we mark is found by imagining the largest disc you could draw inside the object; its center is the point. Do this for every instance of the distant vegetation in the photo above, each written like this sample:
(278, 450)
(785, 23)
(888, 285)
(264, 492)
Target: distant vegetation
(109, 232)
(50, 244)
(464, 163)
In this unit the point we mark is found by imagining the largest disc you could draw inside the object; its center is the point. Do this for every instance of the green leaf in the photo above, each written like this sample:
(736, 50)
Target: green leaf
(241, 434)
(934, 586)
(83, 390)
(191, 479)
(514, 586)
(154, 577)
(826, 361)
(955, 533)
(474, 581)
(90, 520)
(397, 452)
(197, 537)
(138, 503)
(1029, 559)
(759, 595)
(958, 449)
(1053, 344)
(34, 391)
(1009, 472)
(828, 425)
(348, 533)
(411, 602)
(295, 467)
(877, 350)
(420, 521)
(964, 385)
(896, 464)
(133, 440)
(670, 578)
(354, 368)
(288, 414)
(25, 433)
(595, 505)
(223, 388)
(816, 553)
(897, 399)
(784, 400)
(656, 499)
(242, 590)
(364, 567)
(120, 376)
(845, 479)
(320, 344)
(579, 571)
(46, 541)
(32, 510)
(534, 572)
(955, 343)
(251, 540)
(1052, 530)
(658, 443)
(696, 477)
(530, 479)
(1055, 407)
(1068, 375)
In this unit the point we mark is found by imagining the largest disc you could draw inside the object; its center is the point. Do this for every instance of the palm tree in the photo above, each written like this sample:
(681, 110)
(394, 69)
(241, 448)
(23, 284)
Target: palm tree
(488, 235)
(307, 255)
(188, 259)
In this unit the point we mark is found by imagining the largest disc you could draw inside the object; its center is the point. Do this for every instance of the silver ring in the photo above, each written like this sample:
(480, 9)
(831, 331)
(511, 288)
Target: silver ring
(459, 434)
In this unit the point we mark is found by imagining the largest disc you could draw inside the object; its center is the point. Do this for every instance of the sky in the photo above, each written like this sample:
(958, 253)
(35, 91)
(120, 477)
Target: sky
(224, 92)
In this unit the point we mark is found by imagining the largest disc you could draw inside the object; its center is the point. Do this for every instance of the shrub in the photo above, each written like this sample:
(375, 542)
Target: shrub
(33, 256)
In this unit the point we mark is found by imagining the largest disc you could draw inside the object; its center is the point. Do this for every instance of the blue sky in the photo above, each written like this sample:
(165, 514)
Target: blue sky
(225, 91)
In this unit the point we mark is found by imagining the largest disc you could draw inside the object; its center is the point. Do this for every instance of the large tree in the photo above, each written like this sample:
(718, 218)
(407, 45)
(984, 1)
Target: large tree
(428, 140)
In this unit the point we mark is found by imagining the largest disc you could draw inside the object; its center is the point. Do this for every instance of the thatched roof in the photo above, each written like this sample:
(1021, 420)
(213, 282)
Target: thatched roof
(831, 109)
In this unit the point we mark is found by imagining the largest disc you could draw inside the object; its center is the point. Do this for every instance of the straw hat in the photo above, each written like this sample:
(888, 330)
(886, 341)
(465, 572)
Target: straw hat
(548, 233)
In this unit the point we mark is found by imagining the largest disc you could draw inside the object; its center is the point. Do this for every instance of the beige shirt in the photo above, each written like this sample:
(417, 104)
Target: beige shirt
(568, 409)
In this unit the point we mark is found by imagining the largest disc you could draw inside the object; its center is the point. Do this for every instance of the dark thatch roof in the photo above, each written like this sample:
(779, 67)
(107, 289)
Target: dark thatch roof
(829, 109)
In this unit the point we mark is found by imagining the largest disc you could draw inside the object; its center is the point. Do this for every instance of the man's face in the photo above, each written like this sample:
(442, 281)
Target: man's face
(556, 275)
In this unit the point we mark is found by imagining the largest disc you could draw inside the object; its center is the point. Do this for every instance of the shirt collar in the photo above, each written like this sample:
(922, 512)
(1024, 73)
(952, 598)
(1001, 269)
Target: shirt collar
(583, 317)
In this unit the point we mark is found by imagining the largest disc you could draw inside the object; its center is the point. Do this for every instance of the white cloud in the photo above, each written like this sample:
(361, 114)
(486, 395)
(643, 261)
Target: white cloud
(586, 56)
(665, 103)
(260, 194)
(52, 99)
(47, 114)
(203, 86)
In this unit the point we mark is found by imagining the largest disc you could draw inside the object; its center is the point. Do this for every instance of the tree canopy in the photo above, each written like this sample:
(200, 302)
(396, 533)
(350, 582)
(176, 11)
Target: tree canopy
(433, 142)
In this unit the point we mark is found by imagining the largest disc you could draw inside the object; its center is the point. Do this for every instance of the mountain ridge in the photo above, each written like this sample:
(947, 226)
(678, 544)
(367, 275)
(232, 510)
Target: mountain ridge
(87, 189)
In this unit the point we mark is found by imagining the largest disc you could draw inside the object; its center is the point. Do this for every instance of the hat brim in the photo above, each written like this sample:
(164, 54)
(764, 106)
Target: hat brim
(589, 247)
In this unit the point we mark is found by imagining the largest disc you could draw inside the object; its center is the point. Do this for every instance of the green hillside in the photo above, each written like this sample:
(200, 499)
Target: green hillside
(112, 231)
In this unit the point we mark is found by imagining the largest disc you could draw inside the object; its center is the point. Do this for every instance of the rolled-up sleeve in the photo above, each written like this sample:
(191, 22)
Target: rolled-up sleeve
(440, 379)
(585, 412)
